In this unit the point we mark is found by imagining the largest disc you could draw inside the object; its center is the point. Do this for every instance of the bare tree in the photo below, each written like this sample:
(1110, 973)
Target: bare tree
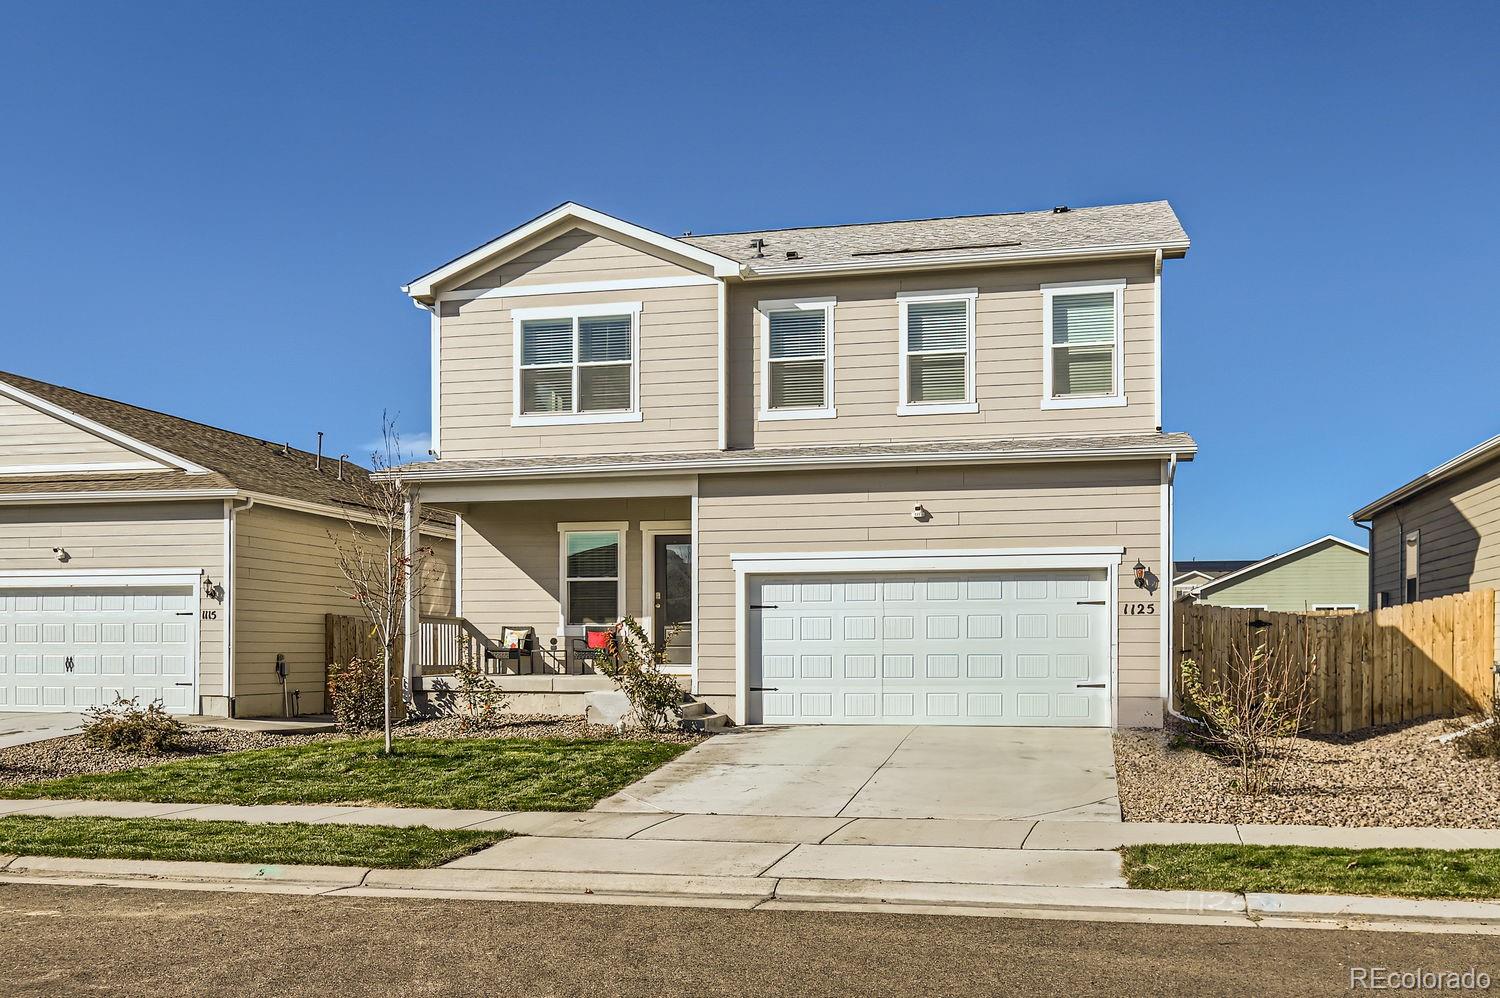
(380, 576)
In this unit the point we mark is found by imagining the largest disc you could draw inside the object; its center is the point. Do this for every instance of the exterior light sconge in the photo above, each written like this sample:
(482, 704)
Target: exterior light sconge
(1140, 575)
(61, 554)
(920, 513)
(212, 589)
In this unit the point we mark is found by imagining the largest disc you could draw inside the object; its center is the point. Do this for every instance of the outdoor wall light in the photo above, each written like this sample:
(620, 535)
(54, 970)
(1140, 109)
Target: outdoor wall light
(1140, 575)
(920, 514)
(61, 554)
(212, 589)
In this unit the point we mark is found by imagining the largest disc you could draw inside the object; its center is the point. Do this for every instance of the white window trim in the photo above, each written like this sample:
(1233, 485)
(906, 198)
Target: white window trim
(622, 530)
(765, 308)
(576, 312)
(906, 407)
(1411, 572)
(650, 529)
(1335, 606)
(1115, 398)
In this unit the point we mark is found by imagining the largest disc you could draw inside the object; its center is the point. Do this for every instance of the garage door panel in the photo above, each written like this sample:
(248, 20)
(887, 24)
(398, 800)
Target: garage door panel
(73, 650)
(931, 648)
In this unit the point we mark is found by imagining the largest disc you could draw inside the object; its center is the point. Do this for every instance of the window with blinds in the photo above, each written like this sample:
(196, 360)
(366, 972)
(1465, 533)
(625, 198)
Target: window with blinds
(797, 359)
(938, 341)
(1084, 345)
(592, 560)
(577, 364)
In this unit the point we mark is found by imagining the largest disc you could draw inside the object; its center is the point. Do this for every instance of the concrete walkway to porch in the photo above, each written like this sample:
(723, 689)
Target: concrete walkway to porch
(888, 771)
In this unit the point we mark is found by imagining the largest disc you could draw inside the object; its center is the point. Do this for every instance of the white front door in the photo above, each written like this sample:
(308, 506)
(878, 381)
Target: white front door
(1003, 647)
(70, 649)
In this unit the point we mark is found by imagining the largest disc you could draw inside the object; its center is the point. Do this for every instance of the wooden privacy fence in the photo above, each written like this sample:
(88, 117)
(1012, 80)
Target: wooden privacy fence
(345, 638)
(1435, 658)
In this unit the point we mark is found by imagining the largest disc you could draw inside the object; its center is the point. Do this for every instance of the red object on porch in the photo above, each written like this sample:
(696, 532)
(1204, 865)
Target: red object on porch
(600, 640)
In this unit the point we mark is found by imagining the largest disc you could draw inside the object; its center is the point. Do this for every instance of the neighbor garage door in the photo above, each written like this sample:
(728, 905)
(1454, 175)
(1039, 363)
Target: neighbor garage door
(1023, 648)
(69, 650)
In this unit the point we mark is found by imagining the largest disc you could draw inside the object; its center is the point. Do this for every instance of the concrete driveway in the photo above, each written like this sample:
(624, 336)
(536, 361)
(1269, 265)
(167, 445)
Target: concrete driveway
(888, 772)
(23, 727)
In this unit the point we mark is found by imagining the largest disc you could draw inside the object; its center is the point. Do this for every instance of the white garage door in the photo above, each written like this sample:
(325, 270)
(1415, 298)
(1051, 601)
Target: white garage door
(1022, 648)
(69, 650)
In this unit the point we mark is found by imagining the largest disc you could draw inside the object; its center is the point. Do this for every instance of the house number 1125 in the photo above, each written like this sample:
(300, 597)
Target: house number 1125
(1139, 609)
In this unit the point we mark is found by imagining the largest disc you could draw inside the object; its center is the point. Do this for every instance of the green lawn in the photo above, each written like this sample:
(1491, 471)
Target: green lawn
(1414, 873)
(239, 841)
(519, 774)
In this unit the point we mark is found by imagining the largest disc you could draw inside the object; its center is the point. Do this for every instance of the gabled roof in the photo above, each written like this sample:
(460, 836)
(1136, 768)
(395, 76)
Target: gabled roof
(1471, 458)
(1014, 236)
(422, 287)
(867, 246)
(1212, 569)
(1265, 563)
(203, 460)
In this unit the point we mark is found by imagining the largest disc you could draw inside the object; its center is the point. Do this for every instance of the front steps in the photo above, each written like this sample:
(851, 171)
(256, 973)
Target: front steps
(699, 716)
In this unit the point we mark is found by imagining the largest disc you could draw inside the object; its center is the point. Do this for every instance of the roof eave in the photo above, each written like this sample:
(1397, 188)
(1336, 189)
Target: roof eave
(1471, 458)
(1174, 249)
(1182, 452)
(1214, 584)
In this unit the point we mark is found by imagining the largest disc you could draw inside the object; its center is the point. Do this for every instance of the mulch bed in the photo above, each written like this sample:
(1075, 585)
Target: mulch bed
(1388, 776)
(71, 755)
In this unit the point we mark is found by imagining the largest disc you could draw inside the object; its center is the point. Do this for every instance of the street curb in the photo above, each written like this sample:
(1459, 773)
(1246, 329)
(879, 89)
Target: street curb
(1084, 903)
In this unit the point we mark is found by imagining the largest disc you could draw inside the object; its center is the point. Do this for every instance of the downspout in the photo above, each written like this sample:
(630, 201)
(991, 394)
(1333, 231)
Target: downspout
(1369, 529)
(229, 562)
(1167, 621)
(723, 364)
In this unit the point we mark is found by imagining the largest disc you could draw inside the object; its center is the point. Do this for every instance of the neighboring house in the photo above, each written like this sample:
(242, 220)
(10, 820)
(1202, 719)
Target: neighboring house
(1438, 534)
(1329, 573)
(1189, 575)
(155, 557)
(899, 472)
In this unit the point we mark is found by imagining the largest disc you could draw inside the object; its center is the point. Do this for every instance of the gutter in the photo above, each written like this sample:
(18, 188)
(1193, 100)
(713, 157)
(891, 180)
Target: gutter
(784, 464)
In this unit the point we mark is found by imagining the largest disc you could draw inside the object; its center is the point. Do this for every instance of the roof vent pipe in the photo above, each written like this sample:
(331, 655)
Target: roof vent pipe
(318, 460)
(341, 466)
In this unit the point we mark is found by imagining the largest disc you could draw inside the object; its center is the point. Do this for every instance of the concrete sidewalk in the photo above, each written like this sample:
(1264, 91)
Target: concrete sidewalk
(770, 893)
(934, 832)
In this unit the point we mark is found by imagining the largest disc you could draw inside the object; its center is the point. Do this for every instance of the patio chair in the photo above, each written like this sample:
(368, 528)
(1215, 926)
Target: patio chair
(597, 640)
(518, 643)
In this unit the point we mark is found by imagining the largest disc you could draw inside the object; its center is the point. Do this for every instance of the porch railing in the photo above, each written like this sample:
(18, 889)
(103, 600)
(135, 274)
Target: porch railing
(442, 643)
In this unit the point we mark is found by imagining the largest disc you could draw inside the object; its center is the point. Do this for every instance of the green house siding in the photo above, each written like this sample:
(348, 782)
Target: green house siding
(1329, 574)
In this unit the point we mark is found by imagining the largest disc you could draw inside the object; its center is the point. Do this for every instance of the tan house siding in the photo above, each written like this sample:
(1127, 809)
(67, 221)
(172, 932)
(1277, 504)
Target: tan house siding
(1060, 505)
(1008, 357)
(286, 578)
(31, 437)
(1330, 574)
(579, 254)
(128, 535)
(1459, 520)
(678, 377)
(511, 559)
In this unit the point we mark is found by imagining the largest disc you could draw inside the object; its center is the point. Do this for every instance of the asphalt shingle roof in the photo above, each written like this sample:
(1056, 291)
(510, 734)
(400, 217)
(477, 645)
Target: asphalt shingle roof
(235, 460)
(1025, 233)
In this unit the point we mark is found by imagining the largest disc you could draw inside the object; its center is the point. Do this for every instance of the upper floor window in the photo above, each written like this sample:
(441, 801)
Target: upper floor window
(796, 376)
(577, 364)
(1083, 335)
(937, 351)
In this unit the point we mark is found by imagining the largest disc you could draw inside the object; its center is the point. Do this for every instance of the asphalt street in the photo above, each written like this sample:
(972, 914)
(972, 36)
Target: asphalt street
(117, 941)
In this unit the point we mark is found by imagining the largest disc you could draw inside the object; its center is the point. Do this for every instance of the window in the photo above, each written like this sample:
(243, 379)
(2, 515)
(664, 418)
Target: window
(577, 365)
(1335, 606)
(592, 555)
(1410, 571)
(797, 359)
(1082, 327)
(937, 352)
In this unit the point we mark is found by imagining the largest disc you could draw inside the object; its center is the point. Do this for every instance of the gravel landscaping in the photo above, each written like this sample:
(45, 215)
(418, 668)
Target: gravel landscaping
(1384, 776)
(71, 755)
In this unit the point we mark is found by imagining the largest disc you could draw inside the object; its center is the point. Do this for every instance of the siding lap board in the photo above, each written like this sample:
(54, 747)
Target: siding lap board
(31, 437)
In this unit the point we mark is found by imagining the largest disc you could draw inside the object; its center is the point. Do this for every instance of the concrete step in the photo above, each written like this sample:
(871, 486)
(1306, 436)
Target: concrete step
(708, 722)
(694, 709)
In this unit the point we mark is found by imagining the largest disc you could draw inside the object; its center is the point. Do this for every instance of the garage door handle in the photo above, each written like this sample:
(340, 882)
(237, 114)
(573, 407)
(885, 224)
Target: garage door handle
(1091, 602)
(765, 689)
(764, 606)
(1091, 686)
(182, 684)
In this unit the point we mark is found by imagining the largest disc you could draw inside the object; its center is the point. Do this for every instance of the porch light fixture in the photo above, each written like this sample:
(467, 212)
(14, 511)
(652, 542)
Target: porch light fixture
(1140, 575)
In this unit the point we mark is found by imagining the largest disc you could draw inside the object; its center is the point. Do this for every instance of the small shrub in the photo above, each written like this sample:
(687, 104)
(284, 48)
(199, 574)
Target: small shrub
(635, 664)
(126, 726)
(1259, 697)
(358, 697)
(480, 703)
(1482, 742)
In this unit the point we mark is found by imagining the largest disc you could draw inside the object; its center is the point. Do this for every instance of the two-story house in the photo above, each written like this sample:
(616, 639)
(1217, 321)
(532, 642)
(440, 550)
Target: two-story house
(898, 472)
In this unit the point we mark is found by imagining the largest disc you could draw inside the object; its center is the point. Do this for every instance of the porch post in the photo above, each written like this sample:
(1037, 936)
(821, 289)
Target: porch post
(411, 619)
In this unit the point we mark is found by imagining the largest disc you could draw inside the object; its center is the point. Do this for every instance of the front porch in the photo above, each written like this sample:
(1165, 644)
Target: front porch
(548, 564)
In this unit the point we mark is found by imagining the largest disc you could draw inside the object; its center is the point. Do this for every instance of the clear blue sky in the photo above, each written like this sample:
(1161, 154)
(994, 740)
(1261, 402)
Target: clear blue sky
(210, 211)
